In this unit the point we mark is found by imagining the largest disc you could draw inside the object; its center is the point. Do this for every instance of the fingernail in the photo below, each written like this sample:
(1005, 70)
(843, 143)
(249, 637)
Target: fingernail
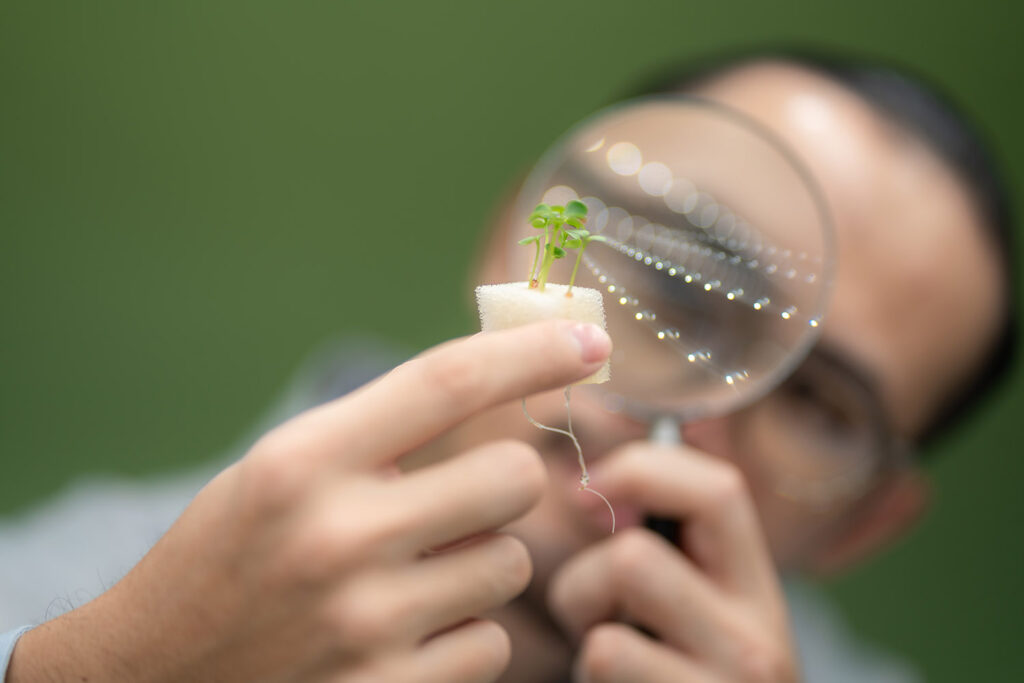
(595, 344)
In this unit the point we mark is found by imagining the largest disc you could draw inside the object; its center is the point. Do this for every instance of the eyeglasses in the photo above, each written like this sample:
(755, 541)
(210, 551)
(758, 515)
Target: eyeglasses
(821, 438)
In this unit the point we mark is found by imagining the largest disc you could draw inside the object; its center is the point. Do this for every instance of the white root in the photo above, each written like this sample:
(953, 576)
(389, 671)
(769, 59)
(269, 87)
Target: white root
(584, 475)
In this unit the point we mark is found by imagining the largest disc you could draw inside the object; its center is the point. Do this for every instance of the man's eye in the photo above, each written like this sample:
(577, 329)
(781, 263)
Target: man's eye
(818, 409)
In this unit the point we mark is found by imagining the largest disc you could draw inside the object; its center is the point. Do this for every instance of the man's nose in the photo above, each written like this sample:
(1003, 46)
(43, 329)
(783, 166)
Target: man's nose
(709, 435)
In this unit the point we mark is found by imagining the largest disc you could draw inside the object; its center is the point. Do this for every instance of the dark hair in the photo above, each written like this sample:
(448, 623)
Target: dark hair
(926, 111)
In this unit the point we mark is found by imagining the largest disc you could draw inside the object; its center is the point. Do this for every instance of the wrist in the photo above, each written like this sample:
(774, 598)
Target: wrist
(85, 644)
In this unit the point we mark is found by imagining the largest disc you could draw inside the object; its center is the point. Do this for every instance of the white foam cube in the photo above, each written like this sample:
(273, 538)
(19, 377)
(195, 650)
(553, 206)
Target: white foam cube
(515, 303)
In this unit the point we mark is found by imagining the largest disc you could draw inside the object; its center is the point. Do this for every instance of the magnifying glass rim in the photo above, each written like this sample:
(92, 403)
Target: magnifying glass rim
(532, 188)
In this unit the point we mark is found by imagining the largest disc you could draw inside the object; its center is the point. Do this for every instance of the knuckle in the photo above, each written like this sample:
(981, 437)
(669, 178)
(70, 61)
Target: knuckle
(363, 621)
(349, 540)
(321, 549)
(602, 652)
(727, 488)
(515, 568)
(560, 596)
(520, 466)
(756, 657)
(761, 663)
(630, 556)
(271, 477)
(457, 375)
(493, 651)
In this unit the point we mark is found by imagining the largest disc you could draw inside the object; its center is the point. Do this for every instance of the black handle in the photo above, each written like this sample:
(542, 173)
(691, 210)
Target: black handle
(665, 429)
(666, 528)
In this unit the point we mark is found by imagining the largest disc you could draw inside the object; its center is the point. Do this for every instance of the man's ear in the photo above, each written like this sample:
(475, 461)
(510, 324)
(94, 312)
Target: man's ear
(890, 512)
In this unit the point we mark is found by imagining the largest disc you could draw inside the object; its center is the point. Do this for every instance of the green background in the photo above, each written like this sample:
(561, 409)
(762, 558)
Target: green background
(194, 195)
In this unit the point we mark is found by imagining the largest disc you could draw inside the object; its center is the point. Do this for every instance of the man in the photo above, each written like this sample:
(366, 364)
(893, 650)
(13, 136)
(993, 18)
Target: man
(312, 558)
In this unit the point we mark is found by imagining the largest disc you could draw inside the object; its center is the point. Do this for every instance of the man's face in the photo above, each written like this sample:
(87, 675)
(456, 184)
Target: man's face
(916, 298)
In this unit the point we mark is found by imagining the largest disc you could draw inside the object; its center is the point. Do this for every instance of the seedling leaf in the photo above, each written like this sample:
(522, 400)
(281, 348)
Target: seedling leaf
(575, 208)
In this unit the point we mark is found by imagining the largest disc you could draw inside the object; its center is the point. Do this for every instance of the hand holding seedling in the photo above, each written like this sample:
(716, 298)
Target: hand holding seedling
(310, 560)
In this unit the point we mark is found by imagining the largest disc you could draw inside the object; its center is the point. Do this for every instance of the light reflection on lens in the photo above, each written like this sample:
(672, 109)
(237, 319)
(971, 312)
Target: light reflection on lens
(682, 196)
(655, 179)
(624, 158)
(559, 194)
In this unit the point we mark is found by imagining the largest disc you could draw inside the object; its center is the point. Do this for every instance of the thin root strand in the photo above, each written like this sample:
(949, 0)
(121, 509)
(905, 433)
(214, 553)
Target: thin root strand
(584, 474)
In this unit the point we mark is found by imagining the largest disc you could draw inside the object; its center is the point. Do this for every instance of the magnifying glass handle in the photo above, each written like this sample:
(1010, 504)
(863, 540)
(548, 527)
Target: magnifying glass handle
(664, 430)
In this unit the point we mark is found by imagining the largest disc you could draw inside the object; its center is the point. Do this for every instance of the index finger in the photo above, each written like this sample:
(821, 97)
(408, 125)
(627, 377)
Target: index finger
(432, 393)
(723, 529)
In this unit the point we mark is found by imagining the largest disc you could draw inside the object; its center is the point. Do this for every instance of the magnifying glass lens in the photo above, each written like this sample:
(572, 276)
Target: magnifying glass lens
(717, 255)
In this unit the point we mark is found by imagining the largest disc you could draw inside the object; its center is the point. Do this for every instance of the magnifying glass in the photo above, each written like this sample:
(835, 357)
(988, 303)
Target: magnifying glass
(717, 260)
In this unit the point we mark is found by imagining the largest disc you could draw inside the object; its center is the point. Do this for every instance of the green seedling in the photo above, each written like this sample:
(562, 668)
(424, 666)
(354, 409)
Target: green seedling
(510, 304)
(563, 229)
